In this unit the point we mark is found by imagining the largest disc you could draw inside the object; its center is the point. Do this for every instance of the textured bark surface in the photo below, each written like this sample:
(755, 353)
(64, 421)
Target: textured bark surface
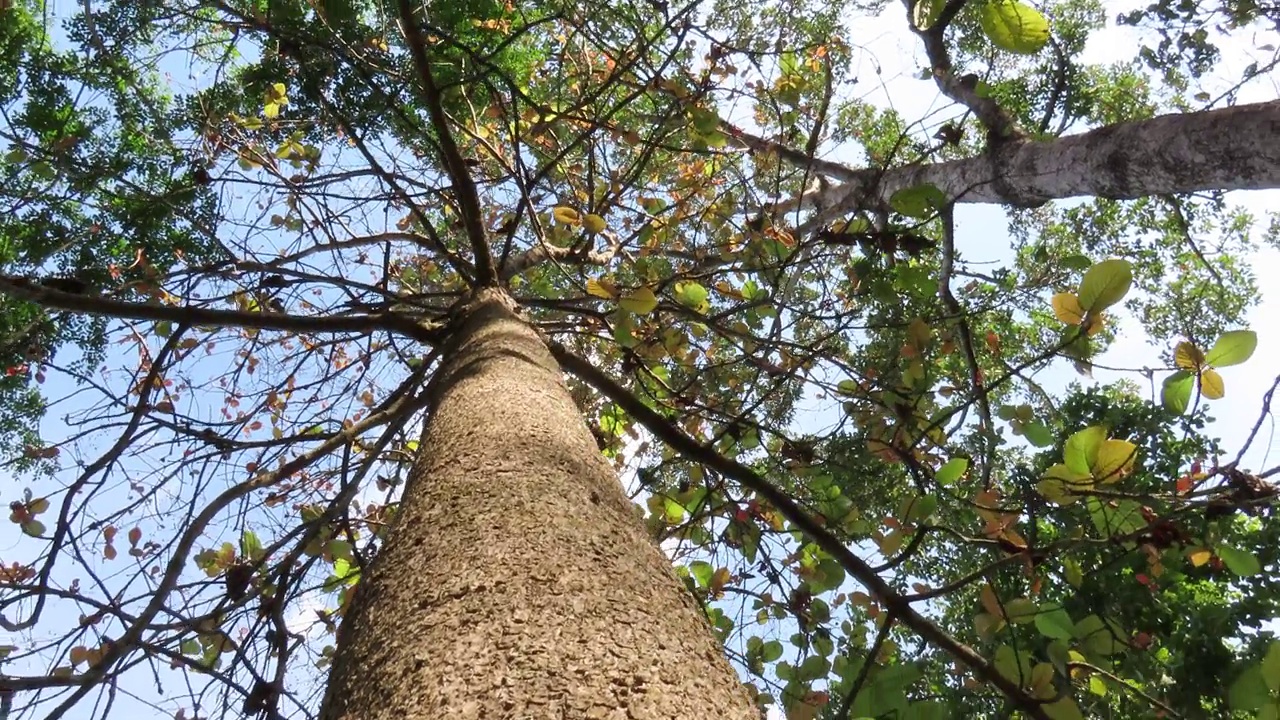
(517, 582)
(1235, 148)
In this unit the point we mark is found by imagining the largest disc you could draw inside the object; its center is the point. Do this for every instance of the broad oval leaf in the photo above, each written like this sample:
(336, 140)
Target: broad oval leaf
(1240, 562)
(640, 301)
(1063, 709)
(1105, 284)
(1175, 394)
(566, 216)
(692, 295)
(1015, 27)
(951, 471)
(601, 288)
(1054, 622)
(1271, 666)
(1020, 610)
(1186, 356)
(1038, 434)
(1066, 307)
(1249, 691)
(593, 223)
(1199, 556)
(1081, 450)
(1114, 461)
(1057, 490)
(1232, 348)
(1211, 385)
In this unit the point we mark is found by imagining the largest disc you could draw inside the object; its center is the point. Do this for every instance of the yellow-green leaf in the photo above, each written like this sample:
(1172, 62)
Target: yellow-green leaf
(1240, 562)
(692, 295)
(1186, 356)
(601, 288)
(1059, 491)
(566, 216)
(951, 471)
(1063, 709)
(1105, 284)
(1066, 307)
(593, 223)
(1014, 26)
(1081, 449)
(640, 301)
(1114, 461)
(1232, 348)
(1071, 570)
(1211, 384)
(1175, 394)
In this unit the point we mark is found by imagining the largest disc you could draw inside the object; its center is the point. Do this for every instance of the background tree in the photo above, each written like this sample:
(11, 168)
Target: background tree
(258, 226)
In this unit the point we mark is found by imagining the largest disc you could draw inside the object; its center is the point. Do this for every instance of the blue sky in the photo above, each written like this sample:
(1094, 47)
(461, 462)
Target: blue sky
(981, 235)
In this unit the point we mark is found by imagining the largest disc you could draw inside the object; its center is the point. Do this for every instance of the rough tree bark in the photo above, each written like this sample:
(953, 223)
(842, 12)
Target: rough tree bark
(517, 582)
(1235, 148)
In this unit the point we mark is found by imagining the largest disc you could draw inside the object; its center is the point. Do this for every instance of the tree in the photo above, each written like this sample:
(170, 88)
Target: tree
(364, 216)
(529, 555)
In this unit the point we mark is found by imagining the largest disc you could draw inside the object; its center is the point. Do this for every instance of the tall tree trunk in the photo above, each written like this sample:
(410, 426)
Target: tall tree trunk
(517, 581)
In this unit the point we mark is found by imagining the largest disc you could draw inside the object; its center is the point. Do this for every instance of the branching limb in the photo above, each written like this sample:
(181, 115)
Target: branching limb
(464, 187)
(694, 451)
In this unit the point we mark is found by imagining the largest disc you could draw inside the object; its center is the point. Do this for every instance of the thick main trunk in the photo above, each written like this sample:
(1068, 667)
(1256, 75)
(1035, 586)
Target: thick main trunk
(517, 582)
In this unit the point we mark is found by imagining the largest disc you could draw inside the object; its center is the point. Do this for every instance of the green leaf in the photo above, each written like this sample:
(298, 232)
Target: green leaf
(951, 471)
(1038, 434)
(813, 668)
(1075, 262)
(1020, 611)
(1098, 637)
(1249, 691)
(1015, 27)
(340, 549)
(922, 201)
(1232, 348)
(1012, 664)
(1240, 562)
(1072, 572)
(250, 546)
(640, 301)
(1271, 666)
(692, 295)
(771, 651)
(702, 572)
(1175, 393)
(1081, 450)
(1064, 709)
(1105, 284)
(1054, 622)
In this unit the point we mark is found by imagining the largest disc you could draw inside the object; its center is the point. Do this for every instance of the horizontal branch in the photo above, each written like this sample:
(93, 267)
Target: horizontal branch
(1235, 148)
(94, 304)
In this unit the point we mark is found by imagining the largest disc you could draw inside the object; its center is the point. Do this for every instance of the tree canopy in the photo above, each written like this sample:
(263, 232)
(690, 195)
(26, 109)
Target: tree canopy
(233, 232)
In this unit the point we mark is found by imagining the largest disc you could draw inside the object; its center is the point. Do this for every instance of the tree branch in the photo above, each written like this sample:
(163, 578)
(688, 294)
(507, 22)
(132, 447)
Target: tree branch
(464, 187)
(691, 449)
(25, 289)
